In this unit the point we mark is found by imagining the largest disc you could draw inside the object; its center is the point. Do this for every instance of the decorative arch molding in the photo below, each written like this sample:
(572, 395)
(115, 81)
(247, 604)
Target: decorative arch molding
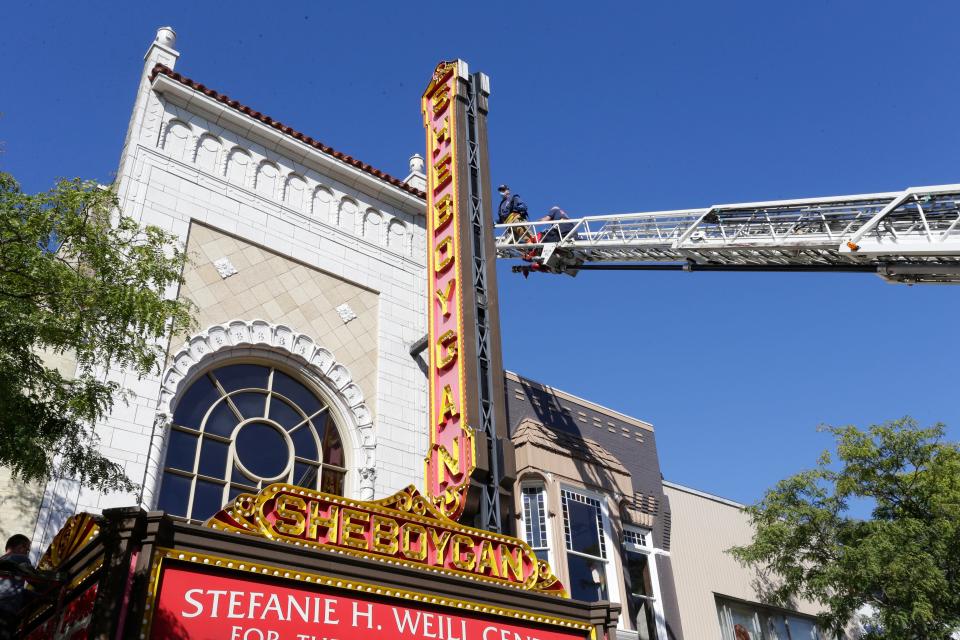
(372, 222)
(294, 190)
(178, 139)
(207, 151)
(259, 337)
(267, 179)
(398, 237)
(535, 476)
(237, 166)
(321, 204)
(347, 214)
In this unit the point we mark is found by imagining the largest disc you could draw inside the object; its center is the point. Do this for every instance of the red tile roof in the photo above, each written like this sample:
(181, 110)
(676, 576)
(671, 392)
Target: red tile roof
(279, 126)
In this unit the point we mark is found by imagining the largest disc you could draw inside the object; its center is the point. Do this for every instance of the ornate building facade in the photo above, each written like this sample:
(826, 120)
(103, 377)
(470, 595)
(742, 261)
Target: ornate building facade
(307, 275)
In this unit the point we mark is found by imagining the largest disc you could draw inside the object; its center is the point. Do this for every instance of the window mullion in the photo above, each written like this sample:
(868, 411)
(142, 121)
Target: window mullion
(234, 408)
(266, 411)
(308, 418)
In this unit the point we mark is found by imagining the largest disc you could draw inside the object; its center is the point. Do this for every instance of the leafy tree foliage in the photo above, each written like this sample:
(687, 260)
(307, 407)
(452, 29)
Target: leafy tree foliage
(903, 563)
(76, 280)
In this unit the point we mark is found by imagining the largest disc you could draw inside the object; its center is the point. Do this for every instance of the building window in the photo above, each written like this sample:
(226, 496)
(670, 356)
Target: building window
(640, 582)
(748, 621)
(586, 546)
(240, 427)
(535, 520)
(636, 537)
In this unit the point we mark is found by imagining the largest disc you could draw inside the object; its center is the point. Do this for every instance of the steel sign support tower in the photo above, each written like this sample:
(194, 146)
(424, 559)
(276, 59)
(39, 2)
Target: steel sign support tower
(489, 363)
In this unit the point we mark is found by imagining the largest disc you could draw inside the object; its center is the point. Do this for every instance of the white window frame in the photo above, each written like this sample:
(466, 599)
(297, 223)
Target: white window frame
(540, 487)
(607, 539)
(651, 552)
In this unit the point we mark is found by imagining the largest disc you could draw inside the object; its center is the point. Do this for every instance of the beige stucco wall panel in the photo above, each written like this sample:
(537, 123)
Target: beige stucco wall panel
(703, 529)
(274, 288)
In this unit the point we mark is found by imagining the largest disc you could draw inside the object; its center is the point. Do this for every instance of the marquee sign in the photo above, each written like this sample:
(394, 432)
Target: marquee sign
(71, 621)
(198, 596)
(405, 528)
(452, 455)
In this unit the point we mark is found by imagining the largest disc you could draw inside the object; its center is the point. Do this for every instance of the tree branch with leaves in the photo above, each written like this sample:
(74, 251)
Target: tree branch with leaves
(78, 279)
(901, 565)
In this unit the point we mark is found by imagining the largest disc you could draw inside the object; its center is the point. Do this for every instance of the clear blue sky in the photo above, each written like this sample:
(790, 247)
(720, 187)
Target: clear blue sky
(599, 107)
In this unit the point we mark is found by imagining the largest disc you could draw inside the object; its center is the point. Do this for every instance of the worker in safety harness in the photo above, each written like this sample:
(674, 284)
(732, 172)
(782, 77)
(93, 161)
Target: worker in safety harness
(512, 209)
(545, 258)
(556, 232)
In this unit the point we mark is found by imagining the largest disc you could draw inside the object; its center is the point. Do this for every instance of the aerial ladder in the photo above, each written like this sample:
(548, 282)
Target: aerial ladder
(910, 237)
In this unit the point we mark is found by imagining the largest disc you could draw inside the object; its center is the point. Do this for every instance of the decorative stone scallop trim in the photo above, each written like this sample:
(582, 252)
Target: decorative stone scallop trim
(221, 340)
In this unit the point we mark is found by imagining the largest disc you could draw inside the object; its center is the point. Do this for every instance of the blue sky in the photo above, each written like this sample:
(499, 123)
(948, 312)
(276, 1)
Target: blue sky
(597, 107)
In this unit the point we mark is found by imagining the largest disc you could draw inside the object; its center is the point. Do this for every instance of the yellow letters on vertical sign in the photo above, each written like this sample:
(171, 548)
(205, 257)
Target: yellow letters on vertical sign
(450, 460)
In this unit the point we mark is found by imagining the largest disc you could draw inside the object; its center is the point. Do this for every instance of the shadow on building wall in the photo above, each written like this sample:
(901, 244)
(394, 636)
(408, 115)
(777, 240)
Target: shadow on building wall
(19, 506)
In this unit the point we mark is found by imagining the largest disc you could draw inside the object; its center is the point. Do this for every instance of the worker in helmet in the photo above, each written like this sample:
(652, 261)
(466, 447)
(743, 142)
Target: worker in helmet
(558, 231)
(512, 209)
(510, 204)
(550, 237)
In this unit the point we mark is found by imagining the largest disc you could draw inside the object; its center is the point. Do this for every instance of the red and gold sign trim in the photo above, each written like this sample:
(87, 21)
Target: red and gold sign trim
(76, 532)
(163, 555)
(73, 584)
(383, 530)
(451, 459)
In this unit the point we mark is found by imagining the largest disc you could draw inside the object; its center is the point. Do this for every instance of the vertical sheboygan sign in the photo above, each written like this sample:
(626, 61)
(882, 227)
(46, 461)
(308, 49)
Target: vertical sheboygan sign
(452, 455)
(469, 467)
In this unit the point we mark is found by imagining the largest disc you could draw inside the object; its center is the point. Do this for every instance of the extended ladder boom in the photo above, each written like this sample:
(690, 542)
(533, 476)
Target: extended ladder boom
(910, 236)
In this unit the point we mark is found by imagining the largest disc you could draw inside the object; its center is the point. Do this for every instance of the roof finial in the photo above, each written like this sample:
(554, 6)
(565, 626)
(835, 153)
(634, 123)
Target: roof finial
(417, 178)
(166, 36)
(416, 163)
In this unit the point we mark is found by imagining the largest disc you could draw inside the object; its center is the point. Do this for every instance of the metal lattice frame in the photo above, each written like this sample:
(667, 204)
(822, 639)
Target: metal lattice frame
(490, 500)
(910, 236)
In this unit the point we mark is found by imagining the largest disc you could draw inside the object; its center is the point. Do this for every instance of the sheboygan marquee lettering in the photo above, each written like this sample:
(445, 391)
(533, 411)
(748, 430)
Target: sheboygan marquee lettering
(451, 458)
(405, 527)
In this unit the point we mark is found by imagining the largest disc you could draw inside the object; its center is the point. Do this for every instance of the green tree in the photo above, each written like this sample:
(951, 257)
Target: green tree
(903, 562)
(76, 279)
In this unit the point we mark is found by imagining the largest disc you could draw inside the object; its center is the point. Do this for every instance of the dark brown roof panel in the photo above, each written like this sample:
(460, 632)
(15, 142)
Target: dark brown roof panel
(290, 131)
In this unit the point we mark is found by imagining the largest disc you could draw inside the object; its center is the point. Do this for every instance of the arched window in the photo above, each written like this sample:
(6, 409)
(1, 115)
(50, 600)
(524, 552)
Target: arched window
(240, 427)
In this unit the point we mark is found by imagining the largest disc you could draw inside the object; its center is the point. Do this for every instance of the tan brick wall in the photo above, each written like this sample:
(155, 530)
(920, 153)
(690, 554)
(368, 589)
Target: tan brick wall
(271, 287)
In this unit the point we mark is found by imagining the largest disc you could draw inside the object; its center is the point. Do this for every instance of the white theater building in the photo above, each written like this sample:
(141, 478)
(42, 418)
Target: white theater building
(307, 272)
